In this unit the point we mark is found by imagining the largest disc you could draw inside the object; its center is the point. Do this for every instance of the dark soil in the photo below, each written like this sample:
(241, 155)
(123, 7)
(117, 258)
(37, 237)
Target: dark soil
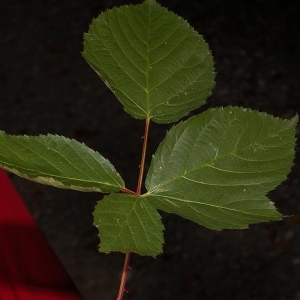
(46, 86)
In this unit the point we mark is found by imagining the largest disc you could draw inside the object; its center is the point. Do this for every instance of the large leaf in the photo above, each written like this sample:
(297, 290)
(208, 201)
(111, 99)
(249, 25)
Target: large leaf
(58, 161)
(216, 168)
(154, 61)
(128, 224)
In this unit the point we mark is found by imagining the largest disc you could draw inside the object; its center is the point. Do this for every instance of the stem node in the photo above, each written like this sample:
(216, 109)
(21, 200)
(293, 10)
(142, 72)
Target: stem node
(126, 266)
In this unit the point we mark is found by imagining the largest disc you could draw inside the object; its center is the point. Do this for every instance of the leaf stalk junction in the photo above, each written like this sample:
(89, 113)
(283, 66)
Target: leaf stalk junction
(126, 266)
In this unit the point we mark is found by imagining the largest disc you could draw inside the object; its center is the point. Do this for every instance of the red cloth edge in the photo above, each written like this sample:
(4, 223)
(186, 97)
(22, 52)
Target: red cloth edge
(29, 269)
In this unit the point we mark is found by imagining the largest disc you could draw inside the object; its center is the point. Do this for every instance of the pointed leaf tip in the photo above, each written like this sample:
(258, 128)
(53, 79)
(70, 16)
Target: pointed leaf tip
(58, 161)
(216, 168)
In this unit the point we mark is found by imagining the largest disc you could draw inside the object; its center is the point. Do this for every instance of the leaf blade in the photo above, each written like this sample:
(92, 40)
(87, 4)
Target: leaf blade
(154, 62)
(58, 161)
(127, 223)
(216, 168)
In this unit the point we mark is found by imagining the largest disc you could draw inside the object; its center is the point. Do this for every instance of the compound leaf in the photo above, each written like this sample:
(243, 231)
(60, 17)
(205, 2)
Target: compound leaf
(58, 161)
(157, 65)
(216, 168)
(128, 224)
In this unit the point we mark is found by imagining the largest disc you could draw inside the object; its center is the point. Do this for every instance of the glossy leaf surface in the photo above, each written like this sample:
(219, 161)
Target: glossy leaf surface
(154, 61)
(128, 224)
(58, 161)
(216, 168)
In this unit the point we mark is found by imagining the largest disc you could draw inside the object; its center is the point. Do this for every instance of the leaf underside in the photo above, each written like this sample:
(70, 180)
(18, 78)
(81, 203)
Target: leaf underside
(154, 61)
(58, 161)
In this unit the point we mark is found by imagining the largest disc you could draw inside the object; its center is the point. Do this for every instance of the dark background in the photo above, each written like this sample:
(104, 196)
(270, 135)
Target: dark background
(46, 86)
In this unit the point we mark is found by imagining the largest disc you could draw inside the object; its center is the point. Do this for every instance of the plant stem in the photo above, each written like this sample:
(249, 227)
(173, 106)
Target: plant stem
(138, 192)
(125, 190)
(124, 276)
(142, 164)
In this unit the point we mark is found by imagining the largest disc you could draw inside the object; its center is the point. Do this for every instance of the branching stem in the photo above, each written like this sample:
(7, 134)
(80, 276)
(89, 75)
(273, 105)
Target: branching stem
(138, 192)
(127, 191)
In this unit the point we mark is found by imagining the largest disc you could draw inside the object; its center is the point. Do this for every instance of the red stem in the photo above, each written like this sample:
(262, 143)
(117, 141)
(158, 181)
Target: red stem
(124, 190)
(142, 164)
(138, 192)
(124, 276)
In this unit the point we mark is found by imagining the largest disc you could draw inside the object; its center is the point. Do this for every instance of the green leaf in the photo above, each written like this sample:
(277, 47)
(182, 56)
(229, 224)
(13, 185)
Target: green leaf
(154, 61)
(216, 168)
(128, 224)
(58, 161)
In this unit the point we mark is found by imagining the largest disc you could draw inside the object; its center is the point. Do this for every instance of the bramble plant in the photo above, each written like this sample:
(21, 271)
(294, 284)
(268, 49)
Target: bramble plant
(214, 169)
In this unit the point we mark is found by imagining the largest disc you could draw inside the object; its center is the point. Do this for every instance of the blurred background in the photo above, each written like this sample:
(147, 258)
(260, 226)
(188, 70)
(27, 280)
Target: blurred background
(47, 87)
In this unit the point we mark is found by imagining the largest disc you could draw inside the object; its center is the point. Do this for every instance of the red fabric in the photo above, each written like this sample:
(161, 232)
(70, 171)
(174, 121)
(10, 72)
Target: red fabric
(29, 270)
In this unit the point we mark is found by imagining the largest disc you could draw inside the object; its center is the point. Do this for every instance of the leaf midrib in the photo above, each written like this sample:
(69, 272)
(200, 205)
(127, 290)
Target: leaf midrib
(50, 175)
(210, 205)
(210, 163)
